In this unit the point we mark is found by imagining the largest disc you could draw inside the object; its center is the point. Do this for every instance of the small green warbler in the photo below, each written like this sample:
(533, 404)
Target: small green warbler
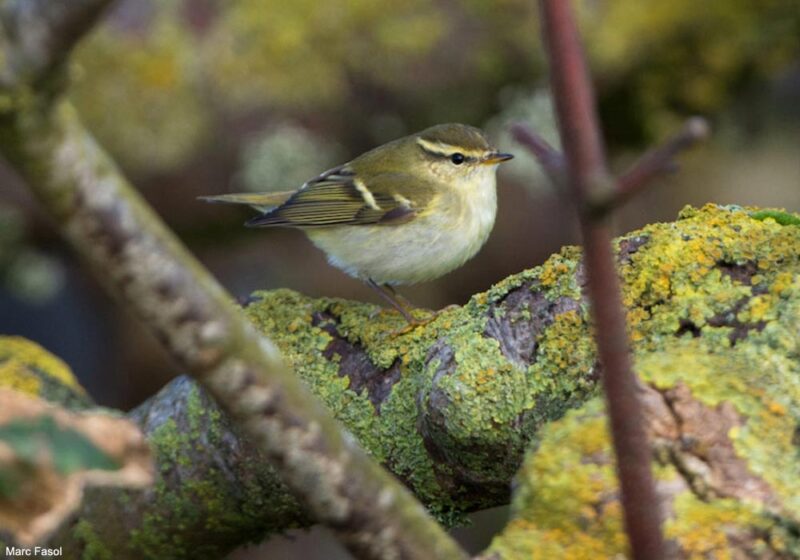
(405, 212)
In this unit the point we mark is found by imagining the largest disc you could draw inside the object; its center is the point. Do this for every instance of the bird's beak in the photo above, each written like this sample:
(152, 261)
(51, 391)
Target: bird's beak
(496, 157)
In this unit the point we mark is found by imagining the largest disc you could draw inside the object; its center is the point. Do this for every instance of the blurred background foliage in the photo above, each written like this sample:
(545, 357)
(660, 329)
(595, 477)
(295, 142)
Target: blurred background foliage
(365, 71)
(197, 97)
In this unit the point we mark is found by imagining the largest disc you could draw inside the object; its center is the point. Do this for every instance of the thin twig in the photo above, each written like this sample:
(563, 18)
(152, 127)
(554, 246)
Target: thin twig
(551, 160)
(152, 273)
(658, 161)
(589, 179)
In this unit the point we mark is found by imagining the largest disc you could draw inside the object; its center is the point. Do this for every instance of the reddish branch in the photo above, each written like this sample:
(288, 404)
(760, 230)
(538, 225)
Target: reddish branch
(589, 181)
(551, 160)
(659, 161)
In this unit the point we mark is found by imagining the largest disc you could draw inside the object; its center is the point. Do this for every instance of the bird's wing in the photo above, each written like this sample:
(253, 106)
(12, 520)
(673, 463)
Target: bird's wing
(339, 197)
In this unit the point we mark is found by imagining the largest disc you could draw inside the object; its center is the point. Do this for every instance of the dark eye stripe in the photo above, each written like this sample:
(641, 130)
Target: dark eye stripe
(447, 155)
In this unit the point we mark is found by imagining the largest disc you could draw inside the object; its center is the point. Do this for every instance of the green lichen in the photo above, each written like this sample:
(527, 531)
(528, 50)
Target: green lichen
(484, 398)
(713, 303)
(203, 500)
(93, 546)
(780, 216)
(27, 367)
(565, 506)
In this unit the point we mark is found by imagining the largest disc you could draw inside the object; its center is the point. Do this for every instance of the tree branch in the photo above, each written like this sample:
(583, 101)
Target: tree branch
(657, 162)
(653, 164)
(40, 34)
(148, 269)
(551, 160)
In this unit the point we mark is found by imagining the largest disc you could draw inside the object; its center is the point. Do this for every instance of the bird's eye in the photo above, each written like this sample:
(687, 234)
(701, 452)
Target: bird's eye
(457, 158)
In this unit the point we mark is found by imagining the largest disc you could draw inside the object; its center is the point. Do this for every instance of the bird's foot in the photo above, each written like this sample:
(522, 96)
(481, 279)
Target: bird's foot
(414, 322)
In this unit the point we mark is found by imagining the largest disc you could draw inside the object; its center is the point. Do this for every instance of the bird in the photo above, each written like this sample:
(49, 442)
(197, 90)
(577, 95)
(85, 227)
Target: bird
(405, 212)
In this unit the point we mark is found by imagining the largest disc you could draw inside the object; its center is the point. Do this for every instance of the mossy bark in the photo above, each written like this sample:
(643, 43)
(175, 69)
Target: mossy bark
(714, 303)
(450, 407)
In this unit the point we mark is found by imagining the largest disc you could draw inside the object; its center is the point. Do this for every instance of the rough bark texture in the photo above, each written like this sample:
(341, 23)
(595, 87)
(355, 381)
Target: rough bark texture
(714, 309)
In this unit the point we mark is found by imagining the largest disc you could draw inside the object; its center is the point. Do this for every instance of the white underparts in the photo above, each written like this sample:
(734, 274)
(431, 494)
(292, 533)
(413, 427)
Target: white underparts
(443, 237)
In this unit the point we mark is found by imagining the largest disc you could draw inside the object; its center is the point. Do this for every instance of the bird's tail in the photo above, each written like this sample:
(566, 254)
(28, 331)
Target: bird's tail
(262, 202)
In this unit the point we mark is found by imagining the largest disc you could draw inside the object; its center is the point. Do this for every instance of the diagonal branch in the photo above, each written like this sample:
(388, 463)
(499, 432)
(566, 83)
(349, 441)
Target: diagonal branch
(551, 160)
(40, 34)
(150, 271)
(590, 181)
(659, 161)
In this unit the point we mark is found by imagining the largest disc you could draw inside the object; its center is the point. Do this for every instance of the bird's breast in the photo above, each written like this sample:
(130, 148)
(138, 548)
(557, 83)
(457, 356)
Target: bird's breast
(445, 236)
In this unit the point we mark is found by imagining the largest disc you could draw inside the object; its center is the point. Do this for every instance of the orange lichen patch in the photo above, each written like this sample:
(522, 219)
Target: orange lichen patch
(636, 316)
(563, 344)
(760, 308)
(782, 283)
(777, 408)
(551, 272)
(716, 529)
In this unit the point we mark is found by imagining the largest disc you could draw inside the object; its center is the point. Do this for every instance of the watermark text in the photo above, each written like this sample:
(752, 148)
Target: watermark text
(33, 552)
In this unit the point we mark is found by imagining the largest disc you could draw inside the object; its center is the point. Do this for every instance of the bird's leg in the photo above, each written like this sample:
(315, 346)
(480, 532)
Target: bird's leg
(409, 305)
(390, 296)
(399, 297)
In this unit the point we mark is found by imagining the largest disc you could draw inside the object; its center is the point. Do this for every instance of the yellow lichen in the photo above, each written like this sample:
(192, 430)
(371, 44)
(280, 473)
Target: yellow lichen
(713, 303)
(570, 509)
(705, 529)
(17, 376)
(23, 363)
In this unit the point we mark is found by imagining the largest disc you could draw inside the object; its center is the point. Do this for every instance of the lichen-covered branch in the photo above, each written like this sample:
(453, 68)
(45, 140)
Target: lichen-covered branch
(143, 264)
(450, 408)
(722, 405)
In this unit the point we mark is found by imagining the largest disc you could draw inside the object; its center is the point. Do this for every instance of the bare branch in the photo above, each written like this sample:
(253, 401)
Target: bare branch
(551, 160)
(589, 180)
(658, 161)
